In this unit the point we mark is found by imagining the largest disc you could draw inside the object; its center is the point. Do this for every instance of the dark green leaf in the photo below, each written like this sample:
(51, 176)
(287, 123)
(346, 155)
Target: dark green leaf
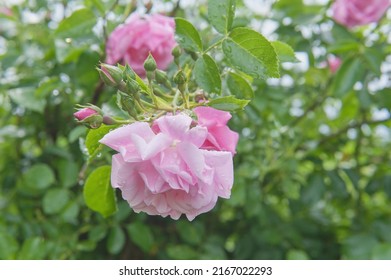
(98, 193)
(348, 74)
(141, 235)
(188, 36)
(39, 176)
(221, 14)
(239, 86)
(77, 24)
(228, 103)
(55, 200)
(116, 240)
(68, 173)
(284, 51)
(207, 74)
(250, 52)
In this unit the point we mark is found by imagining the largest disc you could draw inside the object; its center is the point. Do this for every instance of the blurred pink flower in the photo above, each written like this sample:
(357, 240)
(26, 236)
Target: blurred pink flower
(6, 11)
(220, 137)
(353, 13)
(334, 63)
(166, 171)
(132, 42)
(84, 113)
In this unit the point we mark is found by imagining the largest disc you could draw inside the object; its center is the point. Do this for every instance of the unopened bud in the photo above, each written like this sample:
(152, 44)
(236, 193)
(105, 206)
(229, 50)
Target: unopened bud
(113, 72)
(128, 73)
(180, 78)
(89, 117)
(132, 87)
(176, 52)
(162, 78)
(106, 78)
(150, 64)
(127, 104)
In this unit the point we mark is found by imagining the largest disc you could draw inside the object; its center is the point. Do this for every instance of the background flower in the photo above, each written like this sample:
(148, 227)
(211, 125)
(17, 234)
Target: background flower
(132, 42)
(353, 13)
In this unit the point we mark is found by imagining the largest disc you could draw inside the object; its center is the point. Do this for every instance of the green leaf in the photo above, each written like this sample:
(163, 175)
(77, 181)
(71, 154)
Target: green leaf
(116, 240)
(207, 74)
(77, 24)
(55, 200)
(374, 59)
(26, 98)
(221, 14)
(348, 74)
(239, 86)
(296, 255)
(141, 235)
(93, 137)
(68, 172)
(98, 193)
(39, 176)
(284, 52)
(228, 103)
(187, 36)
(382, 251)
(250, 52)
(32, 249)
(8, 246)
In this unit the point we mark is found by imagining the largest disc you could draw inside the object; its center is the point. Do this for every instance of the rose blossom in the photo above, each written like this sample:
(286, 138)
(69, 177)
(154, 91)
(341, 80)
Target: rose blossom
(219, 137)
(84, 113)
(166, 171)
(132, 42)
(353, 13)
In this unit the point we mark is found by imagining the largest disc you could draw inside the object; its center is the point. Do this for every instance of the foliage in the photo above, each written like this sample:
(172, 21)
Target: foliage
(312, 169)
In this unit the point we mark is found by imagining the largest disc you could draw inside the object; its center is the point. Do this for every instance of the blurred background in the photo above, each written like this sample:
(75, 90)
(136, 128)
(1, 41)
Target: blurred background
(313, 164)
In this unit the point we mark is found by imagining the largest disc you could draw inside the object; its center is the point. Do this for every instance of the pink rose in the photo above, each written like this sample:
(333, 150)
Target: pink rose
(84, 113)
(219, 137)
(353, 13)
(168, 173)
(334, 63)
(132, 42)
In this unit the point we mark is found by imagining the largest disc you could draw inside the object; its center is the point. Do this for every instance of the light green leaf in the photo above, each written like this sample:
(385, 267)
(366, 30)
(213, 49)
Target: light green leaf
(141, 235)
(93, 137)
(8, 246)
(98, 193)
(77, 24)
(32, 249)
(284, 52)
(207, 74)
(25, 97)
(221, 14)
(187, 36)
(239, 86)
(348, 74)
(296, 255)
(39, 176)
(250, 52)
(382, 252)
(228, 103)
(55, 200)
(116, 240)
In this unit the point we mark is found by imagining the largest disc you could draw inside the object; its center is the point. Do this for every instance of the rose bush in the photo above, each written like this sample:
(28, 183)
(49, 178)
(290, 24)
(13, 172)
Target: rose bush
(353, 13)
(132, 42)
(166, 170)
